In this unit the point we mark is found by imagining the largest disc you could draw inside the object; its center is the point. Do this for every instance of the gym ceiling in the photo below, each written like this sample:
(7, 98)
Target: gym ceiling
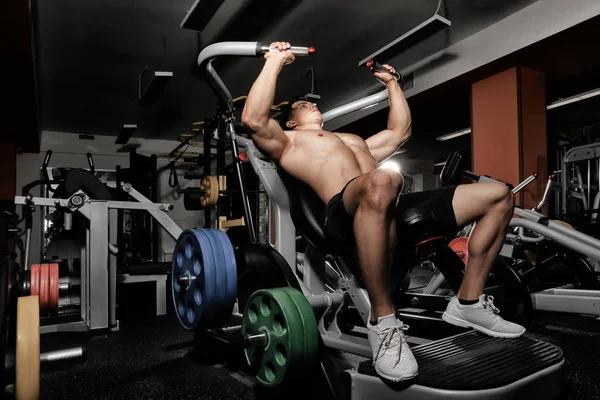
(89, 56)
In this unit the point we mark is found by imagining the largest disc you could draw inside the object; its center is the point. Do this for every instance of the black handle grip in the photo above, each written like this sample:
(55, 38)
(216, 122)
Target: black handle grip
(375, 66)
(47, 159)
(91, 162)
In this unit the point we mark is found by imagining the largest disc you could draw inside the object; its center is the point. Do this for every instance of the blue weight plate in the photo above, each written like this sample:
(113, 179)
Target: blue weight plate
(219, 306)
(231, 266)
(227, 267)
(193, 256)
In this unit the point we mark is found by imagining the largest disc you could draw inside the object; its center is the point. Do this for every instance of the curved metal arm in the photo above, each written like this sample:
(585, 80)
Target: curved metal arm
(558, 237)
(237, 49)
(209, 53)
(356, 105)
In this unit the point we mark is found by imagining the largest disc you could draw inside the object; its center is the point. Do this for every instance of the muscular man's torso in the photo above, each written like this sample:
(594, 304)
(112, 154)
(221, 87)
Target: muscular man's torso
(326, 161)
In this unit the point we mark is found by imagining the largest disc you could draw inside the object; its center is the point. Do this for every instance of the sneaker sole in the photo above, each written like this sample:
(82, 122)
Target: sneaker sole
(466, 324)
(394, 379)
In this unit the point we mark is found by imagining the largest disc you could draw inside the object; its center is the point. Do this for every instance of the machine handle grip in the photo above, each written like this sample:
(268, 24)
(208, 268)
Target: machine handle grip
(47, 159)
(376, 67)
(91, 163)
(295, 50)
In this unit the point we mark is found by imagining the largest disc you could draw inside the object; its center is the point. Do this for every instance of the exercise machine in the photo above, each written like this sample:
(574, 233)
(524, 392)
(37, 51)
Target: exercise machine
(19, 326)
(582, 294)
(83, 298)
(327, 282)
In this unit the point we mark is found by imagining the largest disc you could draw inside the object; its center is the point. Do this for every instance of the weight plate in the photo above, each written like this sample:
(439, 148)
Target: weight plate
(311, 333)
(290, 329)
(193, 260)
(44, 287)
(460, 247)
(35, 280)
(27, 368)
(219, 315)
(230, 268)
(214, 190)
(563, 223)
(53, 288)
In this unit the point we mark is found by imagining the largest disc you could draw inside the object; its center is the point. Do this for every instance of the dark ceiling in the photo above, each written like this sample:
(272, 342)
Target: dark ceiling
(566, 60)
(90, 54)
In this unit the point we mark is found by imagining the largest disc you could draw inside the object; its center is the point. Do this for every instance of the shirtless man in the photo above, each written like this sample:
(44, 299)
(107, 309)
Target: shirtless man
(362, 202)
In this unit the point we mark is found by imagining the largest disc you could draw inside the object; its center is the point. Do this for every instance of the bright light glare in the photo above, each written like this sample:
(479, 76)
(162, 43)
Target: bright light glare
(391, 165)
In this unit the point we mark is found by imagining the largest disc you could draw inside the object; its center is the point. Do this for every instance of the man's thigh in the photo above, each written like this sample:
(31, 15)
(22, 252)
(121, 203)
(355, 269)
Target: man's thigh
(473, 201)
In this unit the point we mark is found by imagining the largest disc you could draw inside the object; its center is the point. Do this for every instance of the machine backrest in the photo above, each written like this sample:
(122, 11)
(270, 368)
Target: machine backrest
(81, 179)
(307, 211)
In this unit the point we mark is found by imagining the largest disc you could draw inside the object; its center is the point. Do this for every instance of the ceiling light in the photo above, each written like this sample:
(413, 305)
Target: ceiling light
(573, 99)
(453, 135)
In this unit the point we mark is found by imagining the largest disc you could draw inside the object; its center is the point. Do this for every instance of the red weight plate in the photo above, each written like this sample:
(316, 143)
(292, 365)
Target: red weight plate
(53, 295)
(44, 286)
(35, 280)
(460, 247)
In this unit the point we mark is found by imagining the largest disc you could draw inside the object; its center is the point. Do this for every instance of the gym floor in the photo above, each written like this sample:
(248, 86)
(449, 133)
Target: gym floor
(152, 358)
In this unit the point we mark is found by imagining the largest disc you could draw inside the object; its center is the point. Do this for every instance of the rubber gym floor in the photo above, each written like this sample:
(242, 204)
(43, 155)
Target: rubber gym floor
(153, 358)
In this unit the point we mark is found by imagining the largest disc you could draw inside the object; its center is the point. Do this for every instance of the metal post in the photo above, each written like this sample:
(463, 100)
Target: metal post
(240, 174)
(98, 258)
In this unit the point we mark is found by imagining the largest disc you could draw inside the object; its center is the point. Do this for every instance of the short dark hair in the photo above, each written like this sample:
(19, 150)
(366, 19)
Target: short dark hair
(286, 111)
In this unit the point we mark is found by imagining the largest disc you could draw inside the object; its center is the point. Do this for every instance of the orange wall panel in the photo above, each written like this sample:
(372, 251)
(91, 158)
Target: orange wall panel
(495, 127)
(533, 133)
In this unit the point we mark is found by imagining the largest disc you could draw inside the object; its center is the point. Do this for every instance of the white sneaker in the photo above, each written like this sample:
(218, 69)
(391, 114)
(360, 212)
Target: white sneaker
(392, 357)
(481, 316)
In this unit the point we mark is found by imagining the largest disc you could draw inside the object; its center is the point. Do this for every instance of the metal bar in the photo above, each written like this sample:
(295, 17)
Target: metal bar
(240, 174)
(63, 354)
(98, 258)
(567, 232)
(157, 213)
(558, 237)
(130, 205)
(567, 300)
(348, 343)
(78, 326)
(368, 101)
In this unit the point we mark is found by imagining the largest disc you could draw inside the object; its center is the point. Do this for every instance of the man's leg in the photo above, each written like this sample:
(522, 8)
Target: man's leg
(371, 198)
(490, 205)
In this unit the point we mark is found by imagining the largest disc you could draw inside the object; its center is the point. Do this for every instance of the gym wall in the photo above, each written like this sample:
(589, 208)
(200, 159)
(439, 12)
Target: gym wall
(70, 151)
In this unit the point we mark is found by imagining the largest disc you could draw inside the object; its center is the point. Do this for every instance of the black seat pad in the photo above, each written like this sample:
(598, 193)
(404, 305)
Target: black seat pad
(81, 179)
(308, 212)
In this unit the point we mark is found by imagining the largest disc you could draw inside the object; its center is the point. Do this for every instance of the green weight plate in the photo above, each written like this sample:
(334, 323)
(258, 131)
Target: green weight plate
(309, 322)
(289, 323)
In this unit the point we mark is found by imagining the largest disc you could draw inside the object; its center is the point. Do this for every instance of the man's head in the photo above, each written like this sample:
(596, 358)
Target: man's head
(300, 112)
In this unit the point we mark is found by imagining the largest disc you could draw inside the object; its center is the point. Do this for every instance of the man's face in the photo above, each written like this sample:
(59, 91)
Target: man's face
(303, 113)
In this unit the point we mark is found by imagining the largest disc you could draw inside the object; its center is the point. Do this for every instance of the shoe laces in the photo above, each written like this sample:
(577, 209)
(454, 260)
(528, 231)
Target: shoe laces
(488, 305)
(390, 337)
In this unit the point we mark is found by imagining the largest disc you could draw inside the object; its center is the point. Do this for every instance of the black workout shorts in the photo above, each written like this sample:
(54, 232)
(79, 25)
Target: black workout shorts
(339, 225)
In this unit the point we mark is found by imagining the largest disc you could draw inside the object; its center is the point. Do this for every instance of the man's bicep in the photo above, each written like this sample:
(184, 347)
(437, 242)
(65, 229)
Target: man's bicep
(271, 139)
(383, 144)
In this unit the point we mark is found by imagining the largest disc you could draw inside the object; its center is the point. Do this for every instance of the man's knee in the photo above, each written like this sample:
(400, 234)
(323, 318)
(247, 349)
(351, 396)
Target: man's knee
(381, 189)
(503, 198)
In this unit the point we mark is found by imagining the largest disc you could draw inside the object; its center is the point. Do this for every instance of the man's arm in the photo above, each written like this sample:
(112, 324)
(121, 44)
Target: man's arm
(266, 132)
(383, 144)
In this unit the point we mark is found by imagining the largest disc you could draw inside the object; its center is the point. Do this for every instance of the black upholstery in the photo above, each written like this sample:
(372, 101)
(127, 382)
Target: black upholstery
(418, 224)
(81, 179)
(307, 211)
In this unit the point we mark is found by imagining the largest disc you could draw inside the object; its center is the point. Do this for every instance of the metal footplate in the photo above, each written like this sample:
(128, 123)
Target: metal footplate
(472, 366)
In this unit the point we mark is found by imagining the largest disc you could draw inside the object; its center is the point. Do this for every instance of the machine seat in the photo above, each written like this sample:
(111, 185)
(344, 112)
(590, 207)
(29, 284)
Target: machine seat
(307, 209)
